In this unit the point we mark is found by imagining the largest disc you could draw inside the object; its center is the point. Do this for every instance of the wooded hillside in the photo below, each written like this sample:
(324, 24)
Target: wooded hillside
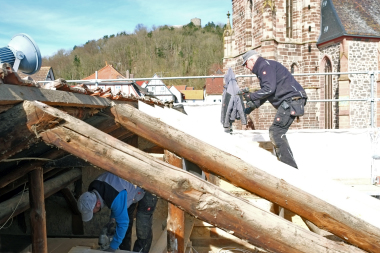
(167, 51)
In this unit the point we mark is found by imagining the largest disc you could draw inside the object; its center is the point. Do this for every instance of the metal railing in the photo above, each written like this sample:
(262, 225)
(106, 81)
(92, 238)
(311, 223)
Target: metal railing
(372, 99)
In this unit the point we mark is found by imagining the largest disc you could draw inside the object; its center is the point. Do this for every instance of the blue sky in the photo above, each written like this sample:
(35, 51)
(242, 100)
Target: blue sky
(62, 24)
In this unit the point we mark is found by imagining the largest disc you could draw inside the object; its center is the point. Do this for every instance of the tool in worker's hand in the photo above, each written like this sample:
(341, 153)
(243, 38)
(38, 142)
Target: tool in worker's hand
(246, 94)
(106, 236)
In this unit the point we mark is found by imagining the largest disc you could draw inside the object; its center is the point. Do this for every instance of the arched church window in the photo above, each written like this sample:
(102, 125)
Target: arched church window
(249, 22)
(289, 18)
(328, 94)
(294, 68)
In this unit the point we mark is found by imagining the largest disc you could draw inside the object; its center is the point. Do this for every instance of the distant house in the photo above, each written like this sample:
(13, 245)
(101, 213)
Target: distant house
(142, 84)
(193, 96)
(44, 74)
(109, 72)
(159, 89)
(214, 90)
(177, 93)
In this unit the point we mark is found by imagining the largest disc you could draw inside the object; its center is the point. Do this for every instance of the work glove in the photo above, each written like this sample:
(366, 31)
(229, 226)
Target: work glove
(246, 94)
(250, 107)
(110, 250)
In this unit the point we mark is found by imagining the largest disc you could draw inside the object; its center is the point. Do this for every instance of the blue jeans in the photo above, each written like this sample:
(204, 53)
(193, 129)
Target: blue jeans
(144, 218)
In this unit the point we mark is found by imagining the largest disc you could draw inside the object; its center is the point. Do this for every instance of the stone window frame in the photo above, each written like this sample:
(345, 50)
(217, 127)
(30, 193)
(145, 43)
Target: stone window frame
(328, 106)
(289, 18)
(249, 15)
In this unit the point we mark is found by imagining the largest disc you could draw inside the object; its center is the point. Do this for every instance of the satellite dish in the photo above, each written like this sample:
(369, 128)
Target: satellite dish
(22, 53)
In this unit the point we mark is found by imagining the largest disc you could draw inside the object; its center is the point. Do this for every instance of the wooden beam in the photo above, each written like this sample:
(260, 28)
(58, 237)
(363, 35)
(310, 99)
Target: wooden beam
(11, 208)
(70, 200)
(76, 217)
(14, 134)
(14, 94)
(176, 217)
(253, 179)
(26, 168)
(24, 179)
(101, 121)
(37, 212)
(190, 193)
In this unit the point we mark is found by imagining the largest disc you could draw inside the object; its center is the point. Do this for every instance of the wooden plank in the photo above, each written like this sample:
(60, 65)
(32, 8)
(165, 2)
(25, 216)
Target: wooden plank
(252, 178)
(11, 208)
(189, 224)
(176, 217)
(14, 94)
(37, 212)
(190, 193)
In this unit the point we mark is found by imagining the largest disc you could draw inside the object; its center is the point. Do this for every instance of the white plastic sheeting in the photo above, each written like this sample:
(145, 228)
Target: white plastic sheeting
(358, 204)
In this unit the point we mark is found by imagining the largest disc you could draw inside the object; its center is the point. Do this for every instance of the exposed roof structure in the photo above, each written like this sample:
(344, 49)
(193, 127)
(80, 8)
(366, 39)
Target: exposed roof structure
(214, 86)
(39, 127)
(107, 72)
(359, 18)
(42, 75)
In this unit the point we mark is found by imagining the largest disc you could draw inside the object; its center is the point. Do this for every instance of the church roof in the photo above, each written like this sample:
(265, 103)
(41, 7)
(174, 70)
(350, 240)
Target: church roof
(358, 18)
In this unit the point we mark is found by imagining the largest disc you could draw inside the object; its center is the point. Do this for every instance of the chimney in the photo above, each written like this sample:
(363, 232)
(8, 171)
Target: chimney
(127, 74)
(131, 76)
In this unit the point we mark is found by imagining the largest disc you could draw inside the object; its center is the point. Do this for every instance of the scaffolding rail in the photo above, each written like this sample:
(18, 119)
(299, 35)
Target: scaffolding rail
(372, 99)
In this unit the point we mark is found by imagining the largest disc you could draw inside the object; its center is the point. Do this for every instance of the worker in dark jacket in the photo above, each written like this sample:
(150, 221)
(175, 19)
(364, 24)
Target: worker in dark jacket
(118, 195)
(279, 87)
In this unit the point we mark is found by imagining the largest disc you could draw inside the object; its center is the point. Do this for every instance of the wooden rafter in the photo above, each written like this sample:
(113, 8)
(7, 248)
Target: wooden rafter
(211, 159)
(190, 193)
(10, 208)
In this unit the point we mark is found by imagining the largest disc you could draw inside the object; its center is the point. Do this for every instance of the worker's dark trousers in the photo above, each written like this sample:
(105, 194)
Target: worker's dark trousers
(277, 134)
(144, 217)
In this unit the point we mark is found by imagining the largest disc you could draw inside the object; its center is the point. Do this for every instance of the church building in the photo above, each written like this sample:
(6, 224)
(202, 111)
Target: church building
(310, 37)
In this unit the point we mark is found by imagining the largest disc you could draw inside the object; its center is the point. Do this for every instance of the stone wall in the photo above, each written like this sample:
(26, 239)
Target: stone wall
(362, 56)
(261, 25)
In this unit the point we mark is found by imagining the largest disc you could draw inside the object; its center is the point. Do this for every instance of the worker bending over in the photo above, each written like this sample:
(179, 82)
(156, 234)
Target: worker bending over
(278, 86)
(119, 195)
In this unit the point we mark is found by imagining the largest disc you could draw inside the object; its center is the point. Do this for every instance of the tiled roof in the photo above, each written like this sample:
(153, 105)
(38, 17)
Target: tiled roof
(180, 87)
(189, 88)
(140, 82)
(192, 94)
(360, 18)
(108, 72)
(214, 86)
(39, 76)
